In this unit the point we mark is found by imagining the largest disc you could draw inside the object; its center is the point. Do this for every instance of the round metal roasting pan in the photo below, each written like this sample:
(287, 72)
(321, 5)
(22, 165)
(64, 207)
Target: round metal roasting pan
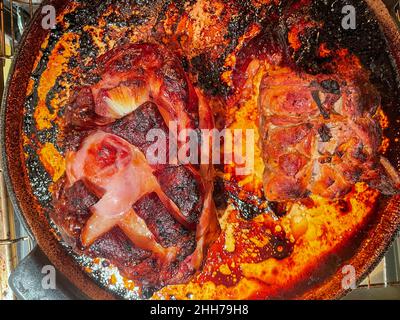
(372, 247)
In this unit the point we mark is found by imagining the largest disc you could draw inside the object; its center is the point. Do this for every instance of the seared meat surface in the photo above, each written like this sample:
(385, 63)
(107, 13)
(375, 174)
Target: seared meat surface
(154, 221)
(319, 135)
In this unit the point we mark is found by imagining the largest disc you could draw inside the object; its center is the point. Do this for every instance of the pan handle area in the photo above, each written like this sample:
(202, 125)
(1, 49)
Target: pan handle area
(35, 278)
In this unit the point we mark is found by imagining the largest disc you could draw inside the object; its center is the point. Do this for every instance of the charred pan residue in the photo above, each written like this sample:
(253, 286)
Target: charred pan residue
(368, 43)
(209, 71)
(31, 102)
(29, 126)
(246, 203)
(306, 57)
(165, 5)
(87, 14)
(246, 209)
(220, 196)
(281, 246)
(38, 176)
(87, 48)
(370, 47)
(49, 135)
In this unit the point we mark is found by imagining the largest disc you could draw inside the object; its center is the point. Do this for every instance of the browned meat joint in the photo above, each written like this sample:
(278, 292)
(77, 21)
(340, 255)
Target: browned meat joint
(152, 220)
(320, 135)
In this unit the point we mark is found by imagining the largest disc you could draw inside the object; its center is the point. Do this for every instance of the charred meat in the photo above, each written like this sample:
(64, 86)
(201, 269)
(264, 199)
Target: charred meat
(152, 220)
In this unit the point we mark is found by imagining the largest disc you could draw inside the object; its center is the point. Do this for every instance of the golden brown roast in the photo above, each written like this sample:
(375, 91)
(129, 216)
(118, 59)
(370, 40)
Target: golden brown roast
(320, 135)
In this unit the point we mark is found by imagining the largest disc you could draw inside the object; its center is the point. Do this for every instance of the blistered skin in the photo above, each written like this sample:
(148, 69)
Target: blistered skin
(164, 212)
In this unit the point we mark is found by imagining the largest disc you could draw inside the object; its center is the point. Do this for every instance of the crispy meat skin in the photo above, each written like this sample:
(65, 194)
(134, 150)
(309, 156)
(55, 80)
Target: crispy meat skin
(130, 76)
(135, 127)
(182, 187)
(72, 208)
(170, 97)
(319, 135)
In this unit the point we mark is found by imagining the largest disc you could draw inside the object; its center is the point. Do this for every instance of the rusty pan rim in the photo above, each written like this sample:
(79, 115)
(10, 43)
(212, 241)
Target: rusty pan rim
(3, 110)
(330, 289)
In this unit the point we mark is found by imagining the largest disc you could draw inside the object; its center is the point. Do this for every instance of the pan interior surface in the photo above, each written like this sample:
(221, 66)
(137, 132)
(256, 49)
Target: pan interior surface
(355, 231)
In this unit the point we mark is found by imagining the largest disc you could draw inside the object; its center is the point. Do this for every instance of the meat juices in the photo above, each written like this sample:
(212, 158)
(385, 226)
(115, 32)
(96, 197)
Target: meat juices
(319, 135)
(153, 221)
